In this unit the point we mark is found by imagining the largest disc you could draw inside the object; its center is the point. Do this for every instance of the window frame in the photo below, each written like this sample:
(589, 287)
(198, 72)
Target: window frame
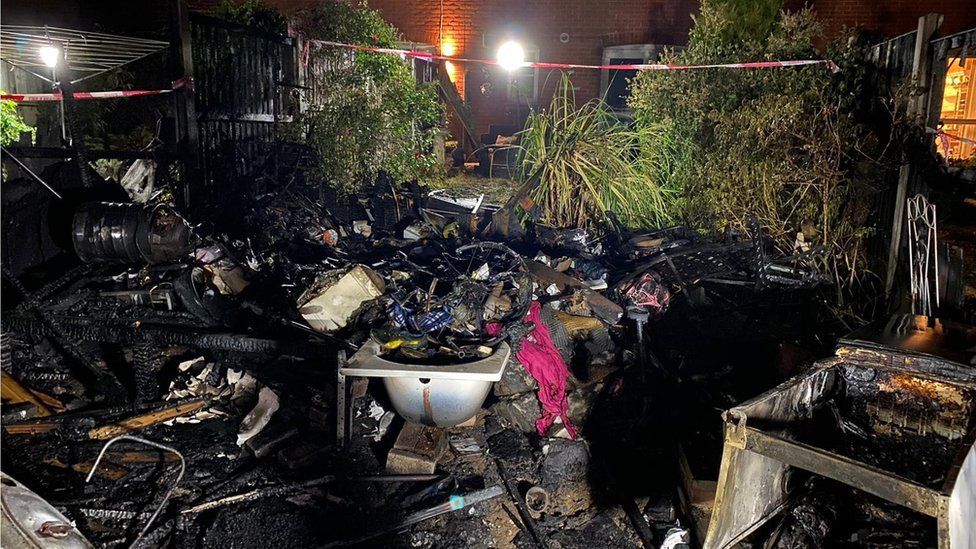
(511, 93)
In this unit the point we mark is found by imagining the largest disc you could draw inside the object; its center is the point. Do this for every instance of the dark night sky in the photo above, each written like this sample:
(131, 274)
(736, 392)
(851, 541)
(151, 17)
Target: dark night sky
(142, 18)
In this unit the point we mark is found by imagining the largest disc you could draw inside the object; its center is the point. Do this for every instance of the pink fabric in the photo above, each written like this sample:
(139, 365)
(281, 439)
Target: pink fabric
(542, 360)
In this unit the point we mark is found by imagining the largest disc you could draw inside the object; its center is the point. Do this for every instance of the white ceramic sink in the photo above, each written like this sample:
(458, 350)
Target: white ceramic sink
(442, 395)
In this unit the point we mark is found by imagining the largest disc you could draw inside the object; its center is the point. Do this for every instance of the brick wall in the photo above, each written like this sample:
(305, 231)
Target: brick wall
(474, 28)
(889, 18)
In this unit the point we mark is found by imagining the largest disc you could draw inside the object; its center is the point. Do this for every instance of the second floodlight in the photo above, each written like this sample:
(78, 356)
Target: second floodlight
(511, 56)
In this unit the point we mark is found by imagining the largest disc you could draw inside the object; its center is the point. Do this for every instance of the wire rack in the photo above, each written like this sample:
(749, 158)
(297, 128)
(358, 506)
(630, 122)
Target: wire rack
(86, 54)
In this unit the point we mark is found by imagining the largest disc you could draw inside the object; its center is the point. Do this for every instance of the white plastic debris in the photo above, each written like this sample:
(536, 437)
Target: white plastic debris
(188, 364)
(417, 230)
(481, 273)
(330, 305)
(383, 426)
(362, 227)
(259, 416)
(138, 180)
(375, 410)
(676, 538)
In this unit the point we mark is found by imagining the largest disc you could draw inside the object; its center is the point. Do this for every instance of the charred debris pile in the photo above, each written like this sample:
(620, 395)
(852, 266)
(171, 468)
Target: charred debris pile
(400, 368)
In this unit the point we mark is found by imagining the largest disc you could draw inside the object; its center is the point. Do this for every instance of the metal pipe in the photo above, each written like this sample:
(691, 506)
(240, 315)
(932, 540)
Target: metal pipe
(455, 503)
(397, 478)
(169, 493)
(523, 511)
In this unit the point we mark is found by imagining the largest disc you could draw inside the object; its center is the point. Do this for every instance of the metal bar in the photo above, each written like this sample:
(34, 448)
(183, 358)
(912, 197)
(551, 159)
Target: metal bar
(266, 118)
(188, 132)
(397, 478)
(511, 485)
(28, 71)
(116, 65)
(30, 172)
(641, 528)
(851, 472)
(455, 503)
(258, 493)
(927, 27)
(952, 36)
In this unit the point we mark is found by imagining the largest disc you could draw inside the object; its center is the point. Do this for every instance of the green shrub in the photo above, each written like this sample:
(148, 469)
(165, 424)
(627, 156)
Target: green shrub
(367, 113)
(253, 13)
(11, 126)
(12, 123)
(794, 147)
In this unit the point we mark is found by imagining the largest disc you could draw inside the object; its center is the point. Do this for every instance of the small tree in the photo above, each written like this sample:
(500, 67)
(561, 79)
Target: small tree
(369, 114)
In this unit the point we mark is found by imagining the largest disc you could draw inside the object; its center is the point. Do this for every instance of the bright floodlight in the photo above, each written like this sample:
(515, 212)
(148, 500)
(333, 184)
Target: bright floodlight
(50, 55)
(511, 56)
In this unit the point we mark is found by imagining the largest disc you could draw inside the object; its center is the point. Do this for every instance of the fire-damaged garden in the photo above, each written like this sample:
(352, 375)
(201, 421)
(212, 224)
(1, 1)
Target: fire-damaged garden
(642, 273)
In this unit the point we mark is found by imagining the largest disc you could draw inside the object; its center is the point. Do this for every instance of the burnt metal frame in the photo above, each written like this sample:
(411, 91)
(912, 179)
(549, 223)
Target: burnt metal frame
(888, 486)
(864, 477)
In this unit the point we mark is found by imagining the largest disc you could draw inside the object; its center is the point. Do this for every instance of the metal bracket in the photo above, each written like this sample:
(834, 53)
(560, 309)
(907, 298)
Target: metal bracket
(735, 429)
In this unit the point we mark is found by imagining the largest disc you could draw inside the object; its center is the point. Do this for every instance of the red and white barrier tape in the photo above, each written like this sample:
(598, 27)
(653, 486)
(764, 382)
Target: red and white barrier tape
(945, 136)
(428, 56)
(32, 97)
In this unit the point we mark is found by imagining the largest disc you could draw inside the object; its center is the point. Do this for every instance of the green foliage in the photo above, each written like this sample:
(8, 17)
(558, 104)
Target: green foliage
(591, 163)
(109, 168)
(748, 19)
(108, 124)
(253, 13)
(367, 113)
(792, 147)
(12, 124)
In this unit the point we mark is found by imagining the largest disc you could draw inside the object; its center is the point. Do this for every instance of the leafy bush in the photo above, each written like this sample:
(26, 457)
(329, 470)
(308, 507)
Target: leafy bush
(591, 163)
(12, 124)
(796, 147)
(367, 112)
(253, 13)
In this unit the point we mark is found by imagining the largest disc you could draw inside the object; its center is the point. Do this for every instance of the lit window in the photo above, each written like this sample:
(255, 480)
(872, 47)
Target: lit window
(523, 84)
(959, 110)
